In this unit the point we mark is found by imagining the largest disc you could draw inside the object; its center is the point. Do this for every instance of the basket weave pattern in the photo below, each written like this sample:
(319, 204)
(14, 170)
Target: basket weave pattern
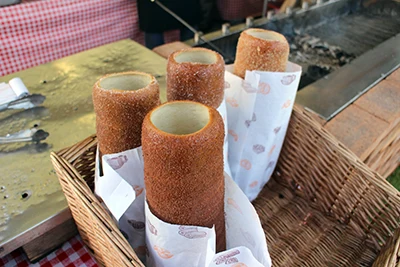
(322, 207)
(384, 156)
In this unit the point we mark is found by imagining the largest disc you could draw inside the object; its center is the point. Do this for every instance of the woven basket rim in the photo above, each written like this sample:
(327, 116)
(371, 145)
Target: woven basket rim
(73, 153)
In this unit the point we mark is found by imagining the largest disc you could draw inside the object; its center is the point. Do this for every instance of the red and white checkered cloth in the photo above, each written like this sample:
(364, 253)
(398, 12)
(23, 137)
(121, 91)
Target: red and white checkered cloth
(240, 9)
(72, 254)
(38, 32)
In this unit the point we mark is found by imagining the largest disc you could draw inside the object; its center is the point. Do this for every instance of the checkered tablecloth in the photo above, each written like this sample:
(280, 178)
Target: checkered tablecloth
(72, 254)
(37, 32)
(240, 9)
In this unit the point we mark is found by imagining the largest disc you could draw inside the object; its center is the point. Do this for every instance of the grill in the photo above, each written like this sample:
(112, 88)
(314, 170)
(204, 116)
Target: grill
(324, 39)
(359, 31)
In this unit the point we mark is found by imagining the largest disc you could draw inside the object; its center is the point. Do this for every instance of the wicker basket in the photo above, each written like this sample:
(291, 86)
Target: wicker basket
(323, 206)
(383, 156)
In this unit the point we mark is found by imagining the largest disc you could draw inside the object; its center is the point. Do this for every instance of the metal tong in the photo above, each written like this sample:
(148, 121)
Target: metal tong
(30, 135)
(25, 102)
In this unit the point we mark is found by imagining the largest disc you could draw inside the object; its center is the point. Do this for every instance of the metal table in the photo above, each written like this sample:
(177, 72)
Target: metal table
(32, 202)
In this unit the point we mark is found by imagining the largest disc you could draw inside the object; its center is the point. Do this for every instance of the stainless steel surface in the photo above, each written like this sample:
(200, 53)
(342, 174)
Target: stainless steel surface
(67, 114)
(330, 95)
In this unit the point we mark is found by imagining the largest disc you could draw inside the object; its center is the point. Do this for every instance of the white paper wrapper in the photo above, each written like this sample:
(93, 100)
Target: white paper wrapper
(236, 257)
(12, 91)
(259, 110)
(122, 189)
(223, 112)
(18, 87)
(180, 245)
(177, 245)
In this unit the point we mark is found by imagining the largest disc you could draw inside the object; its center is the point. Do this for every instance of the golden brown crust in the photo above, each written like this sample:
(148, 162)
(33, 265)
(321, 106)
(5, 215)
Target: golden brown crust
(120, 113)
(253, 53)
(184, 174)
(198, 82)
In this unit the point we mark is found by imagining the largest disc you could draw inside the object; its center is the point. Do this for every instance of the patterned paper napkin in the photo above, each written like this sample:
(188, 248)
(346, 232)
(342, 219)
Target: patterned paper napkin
(258, 110)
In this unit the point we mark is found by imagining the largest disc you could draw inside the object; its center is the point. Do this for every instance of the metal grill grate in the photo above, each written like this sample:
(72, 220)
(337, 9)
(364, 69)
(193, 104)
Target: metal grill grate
(359, 32)
(348, 25)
